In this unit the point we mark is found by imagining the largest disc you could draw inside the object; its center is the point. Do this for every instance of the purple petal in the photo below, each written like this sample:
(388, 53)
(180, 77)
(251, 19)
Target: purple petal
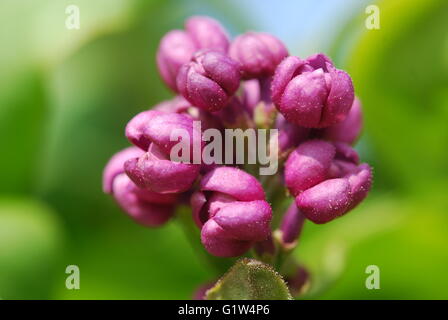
(308, 165)
(160, 128)
(115, 166)
(209, 80)
(143, 212)
(207, 33)
(221, 69)
(346, 153)
(325, 201)
(154, 197)
(136, 127)
(201, 91)
(197, 202)
(258, 53)
(286, 70)
(251, 94)
(360, 184)
(292, 223)
(340, 98)
(304, 99)
(160, 175)
(175, 49)
(349, 129)
(216, 242)
(249, 221)
(319, 61)
(234, 182)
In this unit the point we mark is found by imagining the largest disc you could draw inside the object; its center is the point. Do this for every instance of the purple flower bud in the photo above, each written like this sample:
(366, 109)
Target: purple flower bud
(292, 223)
(177, 46)
(251, 94)
(266, 249)
(115, 166)
(207, 33)
(258, 53)
(175, 49)
(349, 129)
(308, 165)
(151, 130)
(146, 213)
(145, 207)
(298, 282)
(209, 80)
(180, 105)
(136, 127)
(156, 127)
(326, 179)
(289, 135)
(231, 210)
(325, 201)
(360, 184)
(312, 92)
(233, 182)
(156, 172)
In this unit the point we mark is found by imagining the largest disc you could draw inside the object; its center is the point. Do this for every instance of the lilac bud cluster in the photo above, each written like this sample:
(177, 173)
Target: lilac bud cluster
(250, 82)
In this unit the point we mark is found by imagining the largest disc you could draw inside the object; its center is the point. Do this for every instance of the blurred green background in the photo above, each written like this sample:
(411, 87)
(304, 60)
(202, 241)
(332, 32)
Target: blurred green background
(66, 95)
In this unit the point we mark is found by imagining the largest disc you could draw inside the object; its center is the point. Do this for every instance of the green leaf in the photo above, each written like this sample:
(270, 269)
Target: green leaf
(31, 243)
(250, 279)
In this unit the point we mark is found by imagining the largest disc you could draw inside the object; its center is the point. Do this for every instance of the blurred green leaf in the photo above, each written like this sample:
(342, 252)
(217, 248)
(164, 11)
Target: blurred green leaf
(30, 245)
(250, 279)
(23, 111)
(128, 261)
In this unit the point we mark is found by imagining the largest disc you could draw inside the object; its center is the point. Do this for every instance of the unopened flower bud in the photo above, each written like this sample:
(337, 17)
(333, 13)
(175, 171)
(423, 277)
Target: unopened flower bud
(152, 131)
(178, 46)
(326, 179)
(145, 207)
(129, 197)
(209, 80)
(156, 172)
(251, 94)
(175, 49)
(231, 211)
(156, 127)
(258, 53)
(349, 129)
(207, 33)
(291, 226)
(312, 92)
(115, 166)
